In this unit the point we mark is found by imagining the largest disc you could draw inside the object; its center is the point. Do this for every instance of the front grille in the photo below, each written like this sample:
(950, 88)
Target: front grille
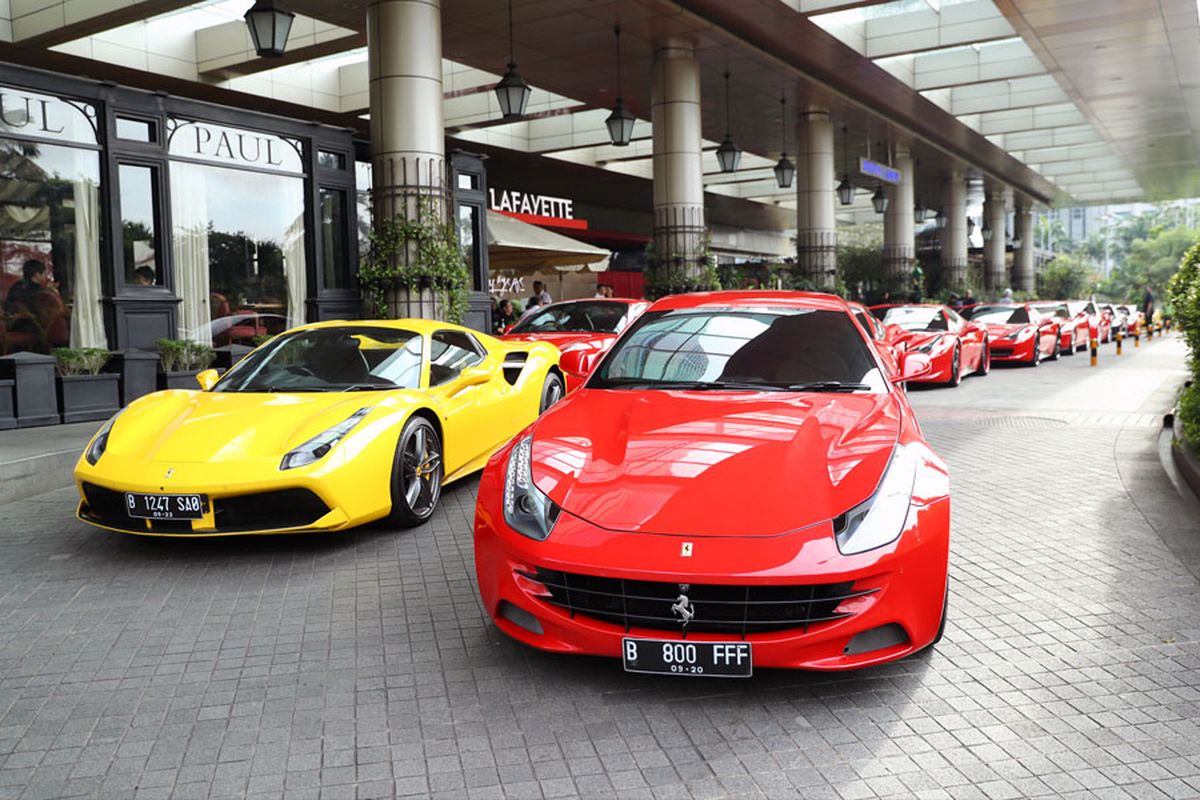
(718, 608)
(1002, 351)
(286, 508)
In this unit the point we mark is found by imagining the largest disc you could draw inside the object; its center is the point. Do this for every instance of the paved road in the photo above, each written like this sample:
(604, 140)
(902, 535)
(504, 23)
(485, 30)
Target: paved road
(363, 666)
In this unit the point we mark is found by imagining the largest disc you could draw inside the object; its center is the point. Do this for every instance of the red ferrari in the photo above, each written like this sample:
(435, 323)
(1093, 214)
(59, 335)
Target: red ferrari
(1099, 322)
(955, 346)
(1017, 333)
(739, 484)
(582, 330)
(890, 342)
(1073, 331)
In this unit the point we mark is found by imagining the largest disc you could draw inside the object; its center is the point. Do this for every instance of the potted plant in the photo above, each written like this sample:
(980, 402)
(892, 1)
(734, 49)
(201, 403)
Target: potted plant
(84, 392)
(181, 361)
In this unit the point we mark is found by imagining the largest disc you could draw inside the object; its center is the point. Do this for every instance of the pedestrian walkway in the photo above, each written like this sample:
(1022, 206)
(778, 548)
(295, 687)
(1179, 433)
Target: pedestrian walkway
(36, 460)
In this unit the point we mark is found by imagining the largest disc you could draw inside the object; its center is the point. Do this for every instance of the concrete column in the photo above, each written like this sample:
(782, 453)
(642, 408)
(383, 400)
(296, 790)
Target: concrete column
(679, 226)
(816, 229)
(995, 216)
(899, 233)
(954, 235)
(408, 154)
(1023, 273)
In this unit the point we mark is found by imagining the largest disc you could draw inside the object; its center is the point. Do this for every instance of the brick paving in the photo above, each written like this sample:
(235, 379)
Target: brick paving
(362, 665)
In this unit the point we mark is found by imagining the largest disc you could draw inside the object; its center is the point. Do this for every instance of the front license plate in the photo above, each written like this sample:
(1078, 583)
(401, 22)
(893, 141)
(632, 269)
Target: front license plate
(716, 659)
(164, 506)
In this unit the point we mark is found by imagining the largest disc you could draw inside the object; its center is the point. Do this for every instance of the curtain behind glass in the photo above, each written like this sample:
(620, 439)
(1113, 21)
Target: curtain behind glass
(294, 271)
(87, 323)
(189, 243)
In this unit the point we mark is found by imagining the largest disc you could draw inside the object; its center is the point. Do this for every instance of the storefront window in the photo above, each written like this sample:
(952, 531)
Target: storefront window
(333, 239)
(138, 201)
(362, 195)
(50, 223)
(237, 234)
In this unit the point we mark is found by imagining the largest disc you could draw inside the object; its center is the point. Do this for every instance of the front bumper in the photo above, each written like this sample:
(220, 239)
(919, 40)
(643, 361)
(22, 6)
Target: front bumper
(902, 584)
(1009, 350)
(238, 498)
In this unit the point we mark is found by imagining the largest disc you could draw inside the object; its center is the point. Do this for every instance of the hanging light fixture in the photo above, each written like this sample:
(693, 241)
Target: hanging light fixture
(620, 121)
(879, 200)
(845, 190)
(1016, 242)
(729, 155)
(785, 170)
(269, 27)
(919, 212)
(941, 220)
(512, 91)
(987, 231)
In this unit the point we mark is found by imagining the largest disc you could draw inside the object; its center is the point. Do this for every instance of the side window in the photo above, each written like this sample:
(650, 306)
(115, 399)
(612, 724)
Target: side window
(450, 352)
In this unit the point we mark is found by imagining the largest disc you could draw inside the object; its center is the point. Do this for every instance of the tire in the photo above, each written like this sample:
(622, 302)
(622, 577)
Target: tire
(1036, 359)
(1057, 349)
(985, 360)
(955, 367)
(553, 390)
(417, 473)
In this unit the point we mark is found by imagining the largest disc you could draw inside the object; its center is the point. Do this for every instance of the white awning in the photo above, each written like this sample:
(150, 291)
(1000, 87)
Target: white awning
(519, 247)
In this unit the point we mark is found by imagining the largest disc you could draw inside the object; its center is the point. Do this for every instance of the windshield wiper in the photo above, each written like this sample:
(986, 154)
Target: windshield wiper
(828, 386)
(694, 386)
(370, 387)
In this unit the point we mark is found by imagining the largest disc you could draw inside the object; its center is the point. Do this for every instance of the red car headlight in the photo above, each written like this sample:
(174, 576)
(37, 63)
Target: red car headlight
(526, 510)
(880, 519)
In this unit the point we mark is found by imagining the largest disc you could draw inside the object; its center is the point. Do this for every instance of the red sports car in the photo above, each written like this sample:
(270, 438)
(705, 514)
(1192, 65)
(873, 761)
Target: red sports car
(1073, 331)
(582, 330)
(890, 341)
(739, 484)
(956, 346)
(1098, 321)
(1017, 332)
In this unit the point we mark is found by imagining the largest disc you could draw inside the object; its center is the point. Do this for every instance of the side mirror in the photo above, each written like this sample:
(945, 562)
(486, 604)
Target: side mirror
(914, 365)
(207, 379)
(472, 376)
(581, 362)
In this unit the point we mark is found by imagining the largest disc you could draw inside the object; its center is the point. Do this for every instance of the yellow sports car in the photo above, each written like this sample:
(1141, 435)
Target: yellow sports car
(322, 428)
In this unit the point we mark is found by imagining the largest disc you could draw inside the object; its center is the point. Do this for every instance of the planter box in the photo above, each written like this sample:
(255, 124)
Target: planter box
(185, 379)
(1186, 461)
(83, 398)
(34, 393)
(8, 414)
(229, 355)
(138, 370)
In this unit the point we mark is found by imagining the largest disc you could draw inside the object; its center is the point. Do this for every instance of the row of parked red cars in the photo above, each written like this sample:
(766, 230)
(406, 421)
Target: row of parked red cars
(958, 342)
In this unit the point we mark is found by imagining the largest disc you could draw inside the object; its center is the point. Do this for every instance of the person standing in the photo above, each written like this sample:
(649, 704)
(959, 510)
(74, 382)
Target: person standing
(1148, 305)
(540, 296)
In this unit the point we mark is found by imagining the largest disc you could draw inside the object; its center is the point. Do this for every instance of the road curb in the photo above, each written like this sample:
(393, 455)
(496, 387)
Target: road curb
(46, 472)
(1185, 460)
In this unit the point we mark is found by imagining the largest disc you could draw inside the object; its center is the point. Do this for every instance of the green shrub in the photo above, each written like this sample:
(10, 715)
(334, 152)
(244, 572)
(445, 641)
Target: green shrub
(80, 360)
(1189, 415)
(182, 355)
(1183, 296)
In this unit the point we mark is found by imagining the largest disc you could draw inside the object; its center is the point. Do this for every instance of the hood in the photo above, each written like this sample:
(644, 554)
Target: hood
(566, 341)
(713, 463)
(998, 330)
(216, 427)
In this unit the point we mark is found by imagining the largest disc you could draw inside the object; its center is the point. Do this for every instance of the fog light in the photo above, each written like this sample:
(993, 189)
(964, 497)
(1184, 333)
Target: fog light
(520, 617)
(879, 638)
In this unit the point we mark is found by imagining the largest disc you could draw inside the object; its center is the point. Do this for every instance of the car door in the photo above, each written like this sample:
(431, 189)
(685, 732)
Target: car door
(466, 381)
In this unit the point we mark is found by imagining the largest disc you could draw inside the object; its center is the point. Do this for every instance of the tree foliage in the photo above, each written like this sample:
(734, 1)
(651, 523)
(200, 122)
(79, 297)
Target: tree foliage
(1149, 262)
(1066, 276)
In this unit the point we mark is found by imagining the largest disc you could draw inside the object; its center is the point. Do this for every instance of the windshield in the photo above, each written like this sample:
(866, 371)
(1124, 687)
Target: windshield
(353, 357)
(915, 318)
(742, 349)
(583, 317)
(1000, 315)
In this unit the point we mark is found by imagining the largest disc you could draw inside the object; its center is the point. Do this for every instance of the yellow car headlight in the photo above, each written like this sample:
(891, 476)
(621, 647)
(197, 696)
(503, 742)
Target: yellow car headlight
(317, 447)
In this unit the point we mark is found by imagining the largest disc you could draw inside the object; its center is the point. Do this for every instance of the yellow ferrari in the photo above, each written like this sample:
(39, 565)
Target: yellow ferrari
(324, 427)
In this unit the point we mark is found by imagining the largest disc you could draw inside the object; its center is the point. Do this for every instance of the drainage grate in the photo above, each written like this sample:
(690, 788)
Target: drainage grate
(1021, 423)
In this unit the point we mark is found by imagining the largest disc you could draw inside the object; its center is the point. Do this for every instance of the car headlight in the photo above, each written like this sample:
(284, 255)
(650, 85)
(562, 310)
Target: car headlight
(526, 510)
(316, 448)
(100, 443)
(880, 519)
(928, 346)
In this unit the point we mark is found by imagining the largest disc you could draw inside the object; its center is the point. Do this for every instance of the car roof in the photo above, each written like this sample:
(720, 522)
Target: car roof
(751, 298)
(421, 326)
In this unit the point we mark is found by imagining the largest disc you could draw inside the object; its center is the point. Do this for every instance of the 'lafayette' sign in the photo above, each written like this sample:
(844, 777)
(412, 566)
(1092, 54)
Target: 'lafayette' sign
(535, 205)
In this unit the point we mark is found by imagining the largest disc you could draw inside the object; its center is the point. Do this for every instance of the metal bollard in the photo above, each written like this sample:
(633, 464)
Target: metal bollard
(1137, 339)
(1120, 338)
(1150, 331)
(1095, 349)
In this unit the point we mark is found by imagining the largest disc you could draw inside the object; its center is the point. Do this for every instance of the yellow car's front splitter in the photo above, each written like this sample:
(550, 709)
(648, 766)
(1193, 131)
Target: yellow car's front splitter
(335, 520)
